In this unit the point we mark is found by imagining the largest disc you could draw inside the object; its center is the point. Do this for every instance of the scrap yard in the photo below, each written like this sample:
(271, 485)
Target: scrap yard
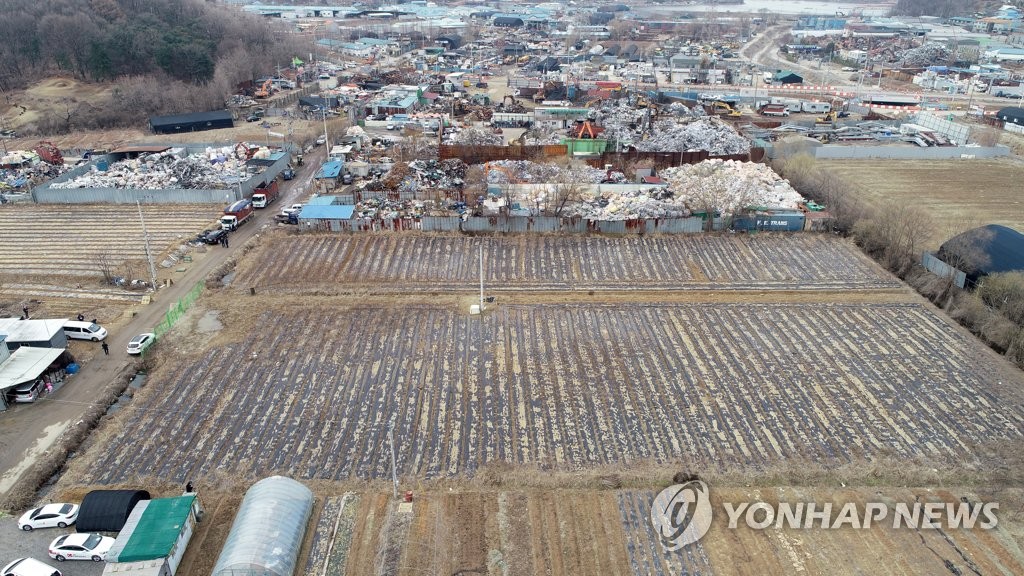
(516, 289)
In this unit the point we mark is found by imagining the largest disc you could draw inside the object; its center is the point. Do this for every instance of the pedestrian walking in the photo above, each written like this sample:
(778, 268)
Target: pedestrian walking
(226, 245)
(81, 317)
(25, 310)
(188, 487)
(106, 349)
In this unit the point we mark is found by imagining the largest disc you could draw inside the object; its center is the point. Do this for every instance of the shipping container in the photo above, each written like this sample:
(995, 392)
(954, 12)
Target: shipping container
(768, 221)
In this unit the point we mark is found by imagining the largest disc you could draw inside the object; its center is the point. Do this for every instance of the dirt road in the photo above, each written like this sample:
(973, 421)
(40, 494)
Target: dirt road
(28, 431)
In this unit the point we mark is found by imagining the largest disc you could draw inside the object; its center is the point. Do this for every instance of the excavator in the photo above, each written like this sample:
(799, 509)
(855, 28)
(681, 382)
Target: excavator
(725, 109)
(264, 90)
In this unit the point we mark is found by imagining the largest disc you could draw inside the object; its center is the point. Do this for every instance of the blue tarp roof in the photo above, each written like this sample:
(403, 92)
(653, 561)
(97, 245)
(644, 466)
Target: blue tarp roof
(330, 169)
(328, 212)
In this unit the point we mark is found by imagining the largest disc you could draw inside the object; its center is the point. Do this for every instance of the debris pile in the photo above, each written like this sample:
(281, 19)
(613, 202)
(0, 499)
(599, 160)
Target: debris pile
(445, 174)
(674, 128)
(476, 137)
(525, 171)
(925, 55)
(216, 168)
(538, 137)
(719, 186)
(384, 209)
(23, 169)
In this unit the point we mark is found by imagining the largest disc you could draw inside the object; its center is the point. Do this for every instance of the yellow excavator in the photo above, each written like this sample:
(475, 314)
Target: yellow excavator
(725, 109)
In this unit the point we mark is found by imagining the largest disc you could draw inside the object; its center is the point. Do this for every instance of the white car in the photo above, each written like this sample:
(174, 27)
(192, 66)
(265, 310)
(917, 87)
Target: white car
(49, 516)
(293, 209)
(81, 547)
(138, 344)
(29, 567)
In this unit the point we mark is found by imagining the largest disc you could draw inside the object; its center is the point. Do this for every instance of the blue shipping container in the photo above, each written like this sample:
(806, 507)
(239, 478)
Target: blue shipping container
(769, 222)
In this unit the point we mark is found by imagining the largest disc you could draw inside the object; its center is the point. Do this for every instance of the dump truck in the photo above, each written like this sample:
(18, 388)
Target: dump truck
(265, 194)
(236, 214)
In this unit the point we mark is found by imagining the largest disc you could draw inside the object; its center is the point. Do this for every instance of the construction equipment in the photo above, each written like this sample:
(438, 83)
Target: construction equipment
(725, 109)
(264, 90)
(587, 130)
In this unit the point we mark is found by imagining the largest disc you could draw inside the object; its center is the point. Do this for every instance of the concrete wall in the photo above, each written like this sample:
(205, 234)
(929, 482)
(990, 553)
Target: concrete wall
(43, 194)
(907, 152)
(955, 131)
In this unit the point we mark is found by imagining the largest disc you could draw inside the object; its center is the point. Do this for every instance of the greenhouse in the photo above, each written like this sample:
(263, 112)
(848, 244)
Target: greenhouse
(267, 534)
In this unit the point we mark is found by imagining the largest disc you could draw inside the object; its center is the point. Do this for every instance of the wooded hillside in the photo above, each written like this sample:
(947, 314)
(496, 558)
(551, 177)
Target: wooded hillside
(165, 56)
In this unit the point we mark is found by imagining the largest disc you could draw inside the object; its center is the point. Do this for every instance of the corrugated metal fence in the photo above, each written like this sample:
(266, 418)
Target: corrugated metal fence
(482, 154)
(514, 225)
(668, 159)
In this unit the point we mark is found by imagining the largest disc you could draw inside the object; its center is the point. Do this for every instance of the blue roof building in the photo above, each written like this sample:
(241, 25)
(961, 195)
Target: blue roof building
(329, 170)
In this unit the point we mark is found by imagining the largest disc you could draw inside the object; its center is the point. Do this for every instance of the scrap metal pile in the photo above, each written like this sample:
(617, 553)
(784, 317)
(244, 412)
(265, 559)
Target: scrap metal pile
(713, 185)
(683, 130)
(525, 171)
(927, 54)
(444, 174)
(216, 168)
(22, 169)
(384, 209)
(476, 137)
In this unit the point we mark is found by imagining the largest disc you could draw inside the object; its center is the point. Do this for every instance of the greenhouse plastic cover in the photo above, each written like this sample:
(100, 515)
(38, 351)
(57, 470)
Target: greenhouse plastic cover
(267, 534)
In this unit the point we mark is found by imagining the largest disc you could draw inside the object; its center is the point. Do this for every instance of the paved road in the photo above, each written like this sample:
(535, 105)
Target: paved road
(28, 430)
(16, 544)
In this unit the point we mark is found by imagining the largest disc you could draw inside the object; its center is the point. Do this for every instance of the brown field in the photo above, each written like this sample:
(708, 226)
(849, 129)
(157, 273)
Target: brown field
(958, 194)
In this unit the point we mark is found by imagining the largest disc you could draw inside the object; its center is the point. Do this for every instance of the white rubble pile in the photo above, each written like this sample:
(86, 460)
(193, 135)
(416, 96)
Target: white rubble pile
(928, 54)
(526, 171)
(714, 185)
(215, 168)
(683, 130)
(476, 137)
(537, 137)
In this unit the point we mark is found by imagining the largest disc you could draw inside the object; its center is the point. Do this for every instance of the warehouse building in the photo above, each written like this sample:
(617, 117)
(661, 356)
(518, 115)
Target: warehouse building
(976, 253)
(195, 122)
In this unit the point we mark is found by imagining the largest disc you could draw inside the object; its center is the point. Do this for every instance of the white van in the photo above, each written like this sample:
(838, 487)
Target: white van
(84, 331)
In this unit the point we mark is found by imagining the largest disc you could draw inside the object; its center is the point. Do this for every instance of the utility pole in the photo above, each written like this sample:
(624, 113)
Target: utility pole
(481, 278)
(394, 473)
(327, 139)
(149, 255)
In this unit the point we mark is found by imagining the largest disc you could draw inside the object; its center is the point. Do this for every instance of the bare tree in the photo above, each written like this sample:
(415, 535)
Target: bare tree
(569, 185)
(106, 266)
(895, 235)
(718, 193)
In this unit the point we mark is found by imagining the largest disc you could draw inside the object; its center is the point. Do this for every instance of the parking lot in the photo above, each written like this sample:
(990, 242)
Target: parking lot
(16, 544)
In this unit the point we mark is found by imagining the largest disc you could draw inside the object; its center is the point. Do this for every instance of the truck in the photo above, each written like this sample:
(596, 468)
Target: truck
(774, 110)
(265, 194)
(236, 214)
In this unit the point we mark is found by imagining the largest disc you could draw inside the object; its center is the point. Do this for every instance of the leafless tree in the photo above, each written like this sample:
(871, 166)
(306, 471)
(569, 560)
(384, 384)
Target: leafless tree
(895, 235)
(568, 186)
(718, 193)
(106, 266)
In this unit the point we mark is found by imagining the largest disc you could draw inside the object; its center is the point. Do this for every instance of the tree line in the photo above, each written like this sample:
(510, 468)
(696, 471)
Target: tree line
(165, 56)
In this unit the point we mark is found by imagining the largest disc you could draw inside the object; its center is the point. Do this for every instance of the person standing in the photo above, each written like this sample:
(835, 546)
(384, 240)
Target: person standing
(25, 310)
(106, 349)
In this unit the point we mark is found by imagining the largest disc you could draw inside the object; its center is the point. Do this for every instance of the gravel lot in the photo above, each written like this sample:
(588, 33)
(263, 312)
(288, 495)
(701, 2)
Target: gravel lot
(16, 544)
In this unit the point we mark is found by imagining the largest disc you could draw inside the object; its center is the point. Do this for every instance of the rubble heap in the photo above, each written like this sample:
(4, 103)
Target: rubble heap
(382, 208)
(216, 168)
(538, 137)
(723, 186)
(476, 137)
(23, 169)
(525, 171)
(927, 54)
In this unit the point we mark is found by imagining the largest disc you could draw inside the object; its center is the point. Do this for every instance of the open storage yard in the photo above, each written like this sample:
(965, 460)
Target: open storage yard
(320, 263)
(968, 193)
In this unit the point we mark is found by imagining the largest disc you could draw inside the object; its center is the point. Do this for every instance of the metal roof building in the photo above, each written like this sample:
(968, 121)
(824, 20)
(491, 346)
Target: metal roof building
(195, 122)
(156, 530)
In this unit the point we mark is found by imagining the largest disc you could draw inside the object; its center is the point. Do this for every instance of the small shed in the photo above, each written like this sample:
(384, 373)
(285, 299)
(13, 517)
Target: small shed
(107, 510)
(985, 250)
(1011, 115)
(34, 333)
(195, 122)
(155, 536)
(508, 21)
(787, 77)
(268, 530)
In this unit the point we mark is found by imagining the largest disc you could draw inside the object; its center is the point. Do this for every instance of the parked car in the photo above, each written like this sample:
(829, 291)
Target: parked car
(81, 547)
(49, 516)
(293, 209)
(27, 392)
(213, 236)
(84, 330)
(391, 127)
(138, 344)
(29, 567)
(288, 174)
(321, 140)
(346, 178)
(253, 118)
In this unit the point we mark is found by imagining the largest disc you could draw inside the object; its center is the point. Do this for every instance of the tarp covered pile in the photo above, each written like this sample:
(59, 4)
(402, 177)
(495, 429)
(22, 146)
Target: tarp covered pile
(216, 168)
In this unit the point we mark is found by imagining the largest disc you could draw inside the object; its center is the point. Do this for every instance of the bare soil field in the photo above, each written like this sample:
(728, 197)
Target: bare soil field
(955, 193)
(562, 388)
(401, 263)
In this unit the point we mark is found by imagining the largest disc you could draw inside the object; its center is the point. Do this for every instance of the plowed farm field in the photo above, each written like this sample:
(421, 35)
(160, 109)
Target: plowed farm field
(397, 263)
(955, 193)
(312, 395)
(49, 240)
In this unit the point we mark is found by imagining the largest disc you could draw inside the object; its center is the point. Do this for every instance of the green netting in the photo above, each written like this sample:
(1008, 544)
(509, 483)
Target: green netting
(178, 309)
(157, 530)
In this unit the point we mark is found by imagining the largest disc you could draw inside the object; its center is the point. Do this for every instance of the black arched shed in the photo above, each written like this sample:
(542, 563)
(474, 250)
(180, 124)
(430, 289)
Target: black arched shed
(107, 510)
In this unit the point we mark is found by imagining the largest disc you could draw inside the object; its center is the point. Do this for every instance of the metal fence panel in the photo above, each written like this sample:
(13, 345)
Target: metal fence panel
(943, 270)
(441, 223)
